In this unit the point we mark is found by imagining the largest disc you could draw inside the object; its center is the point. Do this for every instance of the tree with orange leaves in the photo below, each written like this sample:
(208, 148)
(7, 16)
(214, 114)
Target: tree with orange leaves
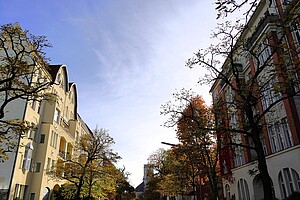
(195, 131)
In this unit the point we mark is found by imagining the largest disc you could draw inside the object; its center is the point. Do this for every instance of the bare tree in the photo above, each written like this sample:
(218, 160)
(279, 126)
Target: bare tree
(257, 72)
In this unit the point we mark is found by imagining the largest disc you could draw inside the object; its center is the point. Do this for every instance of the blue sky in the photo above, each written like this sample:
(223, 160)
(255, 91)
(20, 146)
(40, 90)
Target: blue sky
(127, 57)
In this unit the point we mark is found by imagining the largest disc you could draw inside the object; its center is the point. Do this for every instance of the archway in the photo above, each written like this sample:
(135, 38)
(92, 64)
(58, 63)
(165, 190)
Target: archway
(55, 189)
(258, 188)
(46, 194)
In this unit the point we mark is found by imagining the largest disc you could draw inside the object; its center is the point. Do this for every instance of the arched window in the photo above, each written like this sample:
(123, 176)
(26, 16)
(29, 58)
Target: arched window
(59, 79)
(243, 190)
(46, 194)
(27, 157)
(289, 182)
(227, 192)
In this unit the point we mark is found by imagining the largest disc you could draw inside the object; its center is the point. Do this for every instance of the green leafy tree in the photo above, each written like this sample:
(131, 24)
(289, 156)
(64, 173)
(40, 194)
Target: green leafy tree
(174, 175)
(124, 191)
(23, 76)
(90, 169)
(151, 192)
(65, 192)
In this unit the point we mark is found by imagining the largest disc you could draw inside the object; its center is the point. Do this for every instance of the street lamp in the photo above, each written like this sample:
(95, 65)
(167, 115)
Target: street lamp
(170, 144)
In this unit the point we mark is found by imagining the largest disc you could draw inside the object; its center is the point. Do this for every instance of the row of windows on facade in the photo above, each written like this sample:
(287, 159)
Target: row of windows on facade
(21, 192)
(288, 179)
(35, 105)
(40, 138)
(265, 53)
(279, 136)
(27, 158)
(27, 162)
(57, 114)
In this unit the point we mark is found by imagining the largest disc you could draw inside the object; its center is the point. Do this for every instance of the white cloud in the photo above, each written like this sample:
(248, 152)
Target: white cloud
(126, 57)
(141, 57)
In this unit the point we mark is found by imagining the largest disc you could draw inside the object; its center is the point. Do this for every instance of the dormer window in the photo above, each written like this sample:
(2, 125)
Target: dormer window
(57, 115)
(58, 78)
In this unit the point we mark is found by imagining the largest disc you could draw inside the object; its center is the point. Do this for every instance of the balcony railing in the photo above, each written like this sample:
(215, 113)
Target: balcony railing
(62, 154)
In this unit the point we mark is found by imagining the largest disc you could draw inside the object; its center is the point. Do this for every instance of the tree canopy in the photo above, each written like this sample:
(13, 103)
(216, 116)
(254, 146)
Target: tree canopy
(90, 170)
(23, 76)
(253, 72)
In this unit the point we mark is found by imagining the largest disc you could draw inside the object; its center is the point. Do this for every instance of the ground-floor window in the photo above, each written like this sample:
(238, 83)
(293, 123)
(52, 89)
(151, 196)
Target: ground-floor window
(243, 190)
(227, 192)
(32, 195)
(289, 182)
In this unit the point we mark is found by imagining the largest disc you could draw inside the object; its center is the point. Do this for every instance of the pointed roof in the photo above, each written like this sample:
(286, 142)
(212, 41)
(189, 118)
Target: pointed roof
(53, 69)
(140, 187)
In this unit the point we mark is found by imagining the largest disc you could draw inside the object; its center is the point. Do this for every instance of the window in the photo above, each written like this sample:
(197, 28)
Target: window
(273, 139)
(67, 112)
(48, 164)
(238, 156)
(52, 164)
(280, 139)
(39, 107)
(77, 136)
(27, 157)
(243, 191)
(286, 132)
(289, 182)
(216, 95)
(37, 167)
(20, 191)
(36, 135)
(296, 33)
(227, 192)
(33, 104)
(62, 83)
(280, 135)
(57, 115)
(32, 131)
(53, 141)
(263, 142)
(296, 179)
(264, 52)
(282, 186)
(288, 179)
(59, 78)
(269, 94)
(42, 138)
(32, 196)
(233, 121)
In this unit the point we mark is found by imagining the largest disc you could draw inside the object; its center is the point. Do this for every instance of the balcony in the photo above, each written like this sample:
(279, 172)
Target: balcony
(62, 154)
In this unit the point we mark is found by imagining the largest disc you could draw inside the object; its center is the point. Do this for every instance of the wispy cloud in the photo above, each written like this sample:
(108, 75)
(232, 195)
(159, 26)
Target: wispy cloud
(127, 57)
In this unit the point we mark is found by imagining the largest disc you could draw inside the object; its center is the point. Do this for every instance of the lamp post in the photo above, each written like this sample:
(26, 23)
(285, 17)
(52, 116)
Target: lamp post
(170, 144)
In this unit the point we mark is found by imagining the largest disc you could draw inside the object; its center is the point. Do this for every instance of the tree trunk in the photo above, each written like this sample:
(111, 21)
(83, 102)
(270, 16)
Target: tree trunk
(77, 197)
(263, 168)
(261, 158)
(212, 176)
